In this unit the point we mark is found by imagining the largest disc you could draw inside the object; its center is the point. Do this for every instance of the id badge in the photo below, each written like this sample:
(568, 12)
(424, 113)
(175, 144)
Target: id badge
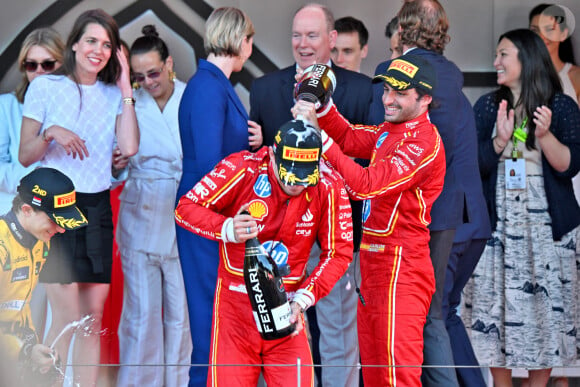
(515, 174)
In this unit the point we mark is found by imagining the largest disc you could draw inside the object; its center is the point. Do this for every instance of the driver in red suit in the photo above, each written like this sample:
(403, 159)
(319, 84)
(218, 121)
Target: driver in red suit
(293, 200)
(405, 176)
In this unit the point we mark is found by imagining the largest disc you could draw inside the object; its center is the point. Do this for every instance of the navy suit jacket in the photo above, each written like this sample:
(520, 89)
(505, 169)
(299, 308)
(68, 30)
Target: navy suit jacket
(462, 197)
(272, 97)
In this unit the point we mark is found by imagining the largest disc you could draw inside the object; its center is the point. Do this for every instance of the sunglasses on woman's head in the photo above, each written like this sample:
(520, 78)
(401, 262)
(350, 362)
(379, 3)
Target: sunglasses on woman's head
(31, 66)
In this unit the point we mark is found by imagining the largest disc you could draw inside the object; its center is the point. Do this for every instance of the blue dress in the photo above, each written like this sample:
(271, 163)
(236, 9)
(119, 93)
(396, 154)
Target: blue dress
(213, 123)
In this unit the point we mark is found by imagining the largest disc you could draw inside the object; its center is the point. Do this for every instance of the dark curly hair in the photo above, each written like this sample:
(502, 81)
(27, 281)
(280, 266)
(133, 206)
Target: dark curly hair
(424, 24)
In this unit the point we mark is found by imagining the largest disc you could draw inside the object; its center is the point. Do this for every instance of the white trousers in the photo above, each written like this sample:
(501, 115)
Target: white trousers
(154, 338)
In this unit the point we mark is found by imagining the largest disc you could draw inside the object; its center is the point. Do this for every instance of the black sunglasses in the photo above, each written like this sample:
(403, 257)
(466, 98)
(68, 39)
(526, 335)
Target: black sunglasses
(47, 65)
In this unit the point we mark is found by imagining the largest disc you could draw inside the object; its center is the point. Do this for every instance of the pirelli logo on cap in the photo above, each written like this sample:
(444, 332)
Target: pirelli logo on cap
(65, 200)
(405, 67)
(302, 155)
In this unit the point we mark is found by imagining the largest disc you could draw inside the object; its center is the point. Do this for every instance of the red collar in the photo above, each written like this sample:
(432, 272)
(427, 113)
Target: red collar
(409, 125)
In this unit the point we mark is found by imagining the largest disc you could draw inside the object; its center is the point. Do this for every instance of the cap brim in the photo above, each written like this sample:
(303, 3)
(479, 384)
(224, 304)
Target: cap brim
(379, 78)
(305, 176)
(393, 82)
(70, 218)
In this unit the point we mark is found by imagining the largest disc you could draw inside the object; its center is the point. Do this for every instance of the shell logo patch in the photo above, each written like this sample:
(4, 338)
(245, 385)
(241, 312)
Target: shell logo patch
(262, 186)
(258, 209)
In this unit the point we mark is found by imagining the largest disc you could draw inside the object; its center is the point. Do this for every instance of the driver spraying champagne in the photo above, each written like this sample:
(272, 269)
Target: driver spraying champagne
(292, 200)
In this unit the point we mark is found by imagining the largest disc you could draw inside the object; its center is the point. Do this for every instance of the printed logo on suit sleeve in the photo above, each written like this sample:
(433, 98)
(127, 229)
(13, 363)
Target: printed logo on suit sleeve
(218, 174)
(200, 190)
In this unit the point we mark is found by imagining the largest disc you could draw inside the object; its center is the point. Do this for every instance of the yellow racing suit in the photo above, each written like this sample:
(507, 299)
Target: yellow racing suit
(21, 259)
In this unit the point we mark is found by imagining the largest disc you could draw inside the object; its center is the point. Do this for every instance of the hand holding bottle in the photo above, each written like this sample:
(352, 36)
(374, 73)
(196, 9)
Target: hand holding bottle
(316, 85)
(297, 318)
(245, 226)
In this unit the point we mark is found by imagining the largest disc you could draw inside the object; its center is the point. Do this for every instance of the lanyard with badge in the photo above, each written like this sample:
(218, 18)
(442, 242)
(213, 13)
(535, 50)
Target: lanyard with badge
(515, 167)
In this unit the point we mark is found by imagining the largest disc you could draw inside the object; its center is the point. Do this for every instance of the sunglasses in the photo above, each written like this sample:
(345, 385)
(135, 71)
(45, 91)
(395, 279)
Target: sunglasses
(151, 75)
(47, 65)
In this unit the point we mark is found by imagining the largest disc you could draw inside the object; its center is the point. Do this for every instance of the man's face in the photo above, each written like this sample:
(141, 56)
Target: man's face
(290, 190)
(311, 39)
(394, 46)
(39, 224)
(347, 52)
(403, 105)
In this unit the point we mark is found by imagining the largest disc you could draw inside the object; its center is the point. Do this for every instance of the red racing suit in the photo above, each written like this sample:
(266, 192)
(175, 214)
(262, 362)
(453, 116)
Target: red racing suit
(405, 176)
(288, 226)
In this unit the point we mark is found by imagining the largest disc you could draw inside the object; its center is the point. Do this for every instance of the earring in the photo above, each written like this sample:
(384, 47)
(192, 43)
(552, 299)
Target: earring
(135, 85)
(172, 75)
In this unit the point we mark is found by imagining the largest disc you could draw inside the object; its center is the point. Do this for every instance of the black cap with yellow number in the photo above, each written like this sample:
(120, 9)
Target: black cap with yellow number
(53, 192)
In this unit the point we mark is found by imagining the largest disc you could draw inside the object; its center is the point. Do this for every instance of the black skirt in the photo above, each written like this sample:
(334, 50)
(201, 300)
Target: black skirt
(85, 254)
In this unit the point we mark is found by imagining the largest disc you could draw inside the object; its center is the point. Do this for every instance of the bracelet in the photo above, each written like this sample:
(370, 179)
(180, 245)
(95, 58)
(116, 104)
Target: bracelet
(44, 138)
(129, 101)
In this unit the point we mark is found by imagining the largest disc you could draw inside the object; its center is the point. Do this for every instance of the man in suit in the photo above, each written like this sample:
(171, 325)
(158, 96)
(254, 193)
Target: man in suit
(455, 246)
(271, 98)
(351, 43)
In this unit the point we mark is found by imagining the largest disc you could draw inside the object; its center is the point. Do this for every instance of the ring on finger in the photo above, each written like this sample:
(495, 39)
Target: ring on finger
(248, 230)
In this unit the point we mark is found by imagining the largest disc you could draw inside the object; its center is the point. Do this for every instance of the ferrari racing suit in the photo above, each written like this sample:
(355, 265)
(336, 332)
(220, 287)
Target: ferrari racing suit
(288, 227)
(405, 176)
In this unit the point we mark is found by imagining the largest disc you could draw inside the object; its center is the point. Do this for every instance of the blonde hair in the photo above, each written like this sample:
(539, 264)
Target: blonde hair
(46, 38)
(225, 30)
(424, 24)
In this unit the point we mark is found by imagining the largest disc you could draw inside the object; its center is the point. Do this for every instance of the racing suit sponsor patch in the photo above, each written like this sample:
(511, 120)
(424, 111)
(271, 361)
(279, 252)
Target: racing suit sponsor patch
(20, 274)
(12, 305)
(381, 139)
(277, 251)
(262, 186)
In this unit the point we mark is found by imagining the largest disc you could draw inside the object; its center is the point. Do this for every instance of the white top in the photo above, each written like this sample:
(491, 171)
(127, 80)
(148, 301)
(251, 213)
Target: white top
(11, 171)
(56, 100)
(146, 216)
(567, 85)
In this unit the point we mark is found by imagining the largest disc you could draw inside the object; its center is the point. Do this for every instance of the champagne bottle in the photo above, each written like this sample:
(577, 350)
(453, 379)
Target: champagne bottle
(316, 85)
(266, 291)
